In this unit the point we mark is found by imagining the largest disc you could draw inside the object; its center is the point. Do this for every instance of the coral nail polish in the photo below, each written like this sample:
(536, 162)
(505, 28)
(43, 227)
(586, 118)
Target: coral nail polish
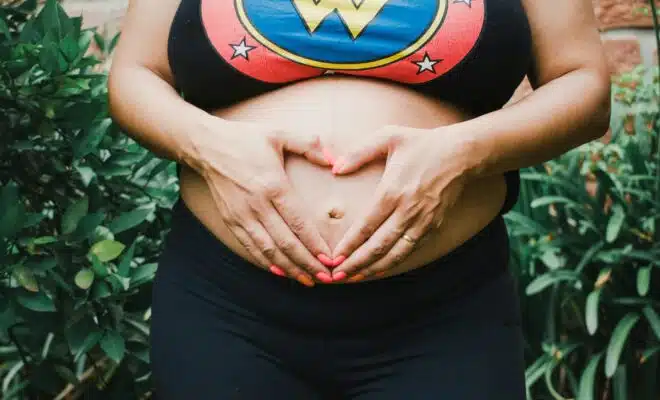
(339, 276)
(305, 280)
(337, 165)
(338, 260)
(327, 261)
(324, 277)
(328, 156)
(356, 278)
(380, 274)
(277, 270)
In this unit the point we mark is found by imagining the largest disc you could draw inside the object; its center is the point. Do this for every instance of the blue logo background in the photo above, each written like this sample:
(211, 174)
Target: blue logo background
(398, 25)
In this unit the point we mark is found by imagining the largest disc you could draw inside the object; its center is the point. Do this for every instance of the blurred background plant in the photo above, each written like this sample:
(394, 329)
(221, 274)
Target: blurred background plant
(585, 250)
(84, 210)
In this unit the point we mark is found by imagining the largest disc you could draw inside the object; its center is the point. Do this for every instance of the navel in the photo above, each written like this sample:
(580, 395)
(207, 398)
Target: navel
(335, 213)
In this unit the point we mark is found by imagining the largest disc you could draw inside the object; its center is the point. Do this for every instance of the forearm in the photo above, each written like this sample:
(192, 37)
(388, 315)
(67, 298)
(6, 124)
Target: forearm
(152, 112)
(558, 116)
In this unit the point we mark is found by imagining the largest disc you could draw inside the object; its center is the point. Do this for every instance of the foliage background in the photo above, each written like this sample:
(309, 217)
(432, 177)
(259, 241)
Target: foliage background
(84, 209)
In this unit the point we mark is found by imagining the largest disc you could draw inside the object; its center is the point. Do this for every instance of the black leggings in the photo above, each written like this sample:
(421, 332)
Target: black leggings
(224, 329)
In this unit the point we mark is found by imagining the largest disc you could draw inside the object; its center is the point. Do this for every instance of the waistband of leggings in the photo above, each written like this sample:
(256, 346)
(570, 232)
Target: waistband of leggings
(481, 259)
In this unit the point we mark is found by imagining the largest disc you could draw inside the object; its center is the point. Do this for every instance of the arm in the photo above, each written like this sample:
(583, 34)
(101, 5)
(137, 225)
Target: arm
(256, 201)
(571, 102)
(140, 86)
(424, 177)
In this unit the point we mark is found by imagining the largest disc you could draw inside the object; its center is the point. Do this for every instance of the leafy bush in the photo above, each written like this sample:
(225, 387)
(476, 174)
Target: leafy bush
(586, 246)
(83, 211)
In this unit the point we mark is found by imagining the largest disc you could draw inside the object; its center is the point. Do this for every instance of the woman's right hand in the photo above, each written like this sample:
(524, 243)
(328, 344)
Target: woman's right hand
(243, 164)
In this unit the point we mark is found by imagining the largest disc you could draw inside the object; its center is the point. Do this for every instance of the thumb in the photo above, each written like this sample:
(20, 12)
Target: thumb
(308, 146)
(364, 153)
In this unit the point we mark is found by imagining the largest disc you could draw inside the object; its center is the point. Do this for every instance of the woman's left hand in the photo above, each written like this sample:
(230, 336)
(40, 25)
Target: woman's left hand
(424, 175)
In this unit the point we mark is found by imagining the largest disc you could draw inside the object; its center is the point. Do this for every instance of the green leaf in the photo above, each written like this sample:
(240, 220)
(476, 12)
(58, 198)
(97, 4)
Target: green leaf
(588, 378)
(38, 301)
(535, 371)
(648, 353)
(84, 278)
(530, 224)
(644, 280)
(74, 214)
(100, 290)
(12, 211)
(124, 266)
(113, 345)
(26, 278)
(545, 280)
(87, 226)
(591, 311)
(617, 341)
(127, 159)
(620, 383)
(143, 273)
(100, 269)
(4, 29)
(131, 219)
(548, 200)
(589, 255)
(654, 320)
(49, 18)
(86, 174)
(90, 341)
(40, 241)
(552, 258)
(615, 223)
(87, 142)
(33, 219)
(107, 250)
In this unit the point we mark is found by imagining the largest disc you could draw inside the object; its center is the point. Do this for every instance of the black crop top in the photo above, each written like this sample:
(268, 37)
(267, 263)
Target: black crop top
(470, 53)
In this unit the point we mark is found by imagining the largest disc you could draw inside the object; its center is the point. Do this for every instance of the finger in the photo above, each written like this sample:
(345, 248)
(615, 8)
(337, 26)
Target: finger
(304, 145)
(363, 228)
(268, 248)
(362, 154)
(291, 247)
(289, 208)
(257, 243)
(376, 247)
(405, 244)
(250, 246)
(401, 249)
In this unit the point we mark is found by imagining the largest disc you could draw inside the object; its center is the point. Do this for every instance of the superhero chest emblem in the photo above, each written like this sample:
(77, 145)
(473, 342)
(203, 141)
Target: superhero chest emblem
(279, 41)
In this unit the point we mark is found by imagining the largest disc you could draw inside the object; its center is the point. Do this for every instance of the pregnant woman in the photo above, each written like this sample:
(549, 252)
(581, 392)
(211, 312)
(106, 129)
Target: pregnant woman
(344, 168)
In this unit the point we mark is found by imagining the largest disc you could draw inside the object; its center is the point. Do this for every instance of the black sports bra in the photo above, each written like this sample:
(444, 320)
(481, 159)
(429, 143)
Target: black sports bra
(470, 53)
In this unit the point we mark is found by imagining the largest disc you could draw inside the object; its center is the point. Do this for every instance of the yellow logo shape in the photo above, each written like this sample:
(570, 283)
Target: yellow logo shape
(356, 14)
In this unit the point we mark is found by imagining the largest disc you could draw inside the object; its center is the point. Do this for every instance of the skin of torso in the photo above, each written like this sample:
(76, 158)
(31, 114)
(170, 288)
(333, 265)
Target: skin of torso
(342, 110)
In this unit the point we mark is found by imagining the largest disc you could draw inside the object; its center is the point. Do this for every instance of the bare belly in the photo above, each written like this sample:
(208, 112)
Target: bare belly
(341, 110)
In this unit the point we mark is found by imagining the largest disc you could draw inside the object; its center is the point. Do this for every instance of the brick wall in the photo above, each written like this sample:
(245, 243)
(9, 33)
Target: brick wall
(626, 29)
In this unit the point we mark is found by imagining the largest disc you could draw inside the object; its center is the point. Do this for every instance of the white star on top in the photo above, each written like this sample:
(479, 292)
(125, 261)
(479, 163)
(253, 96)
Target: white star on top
(241, 49)
(427, 64)
(466, 2)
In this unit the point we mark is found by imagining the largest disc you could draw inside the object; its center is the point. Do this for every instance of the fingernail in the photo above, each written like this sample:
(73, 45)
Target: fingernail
(328, 156)
(379, 274)
(305, 280)
(277, 270)
(324, 277)
(339, 276)
(338, 260)
(327, 261)
(356, 278)
(339, 163)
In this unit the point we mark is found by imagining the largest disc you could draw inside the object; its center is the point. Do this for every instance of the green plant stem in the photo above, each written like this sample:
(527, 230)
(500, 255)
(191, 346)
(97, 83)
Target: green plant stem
(656, 29)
